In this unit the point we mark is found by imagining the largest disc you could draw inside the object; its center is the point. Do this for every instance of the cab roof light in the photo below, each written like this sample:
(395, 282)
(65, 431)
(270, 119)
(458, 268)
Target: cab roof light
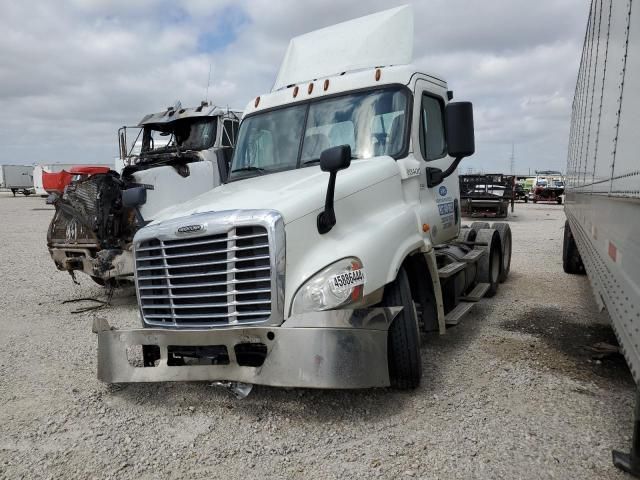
(295, 91)
(310, 88)
(257, 102)
(326, 85)
(378, 74)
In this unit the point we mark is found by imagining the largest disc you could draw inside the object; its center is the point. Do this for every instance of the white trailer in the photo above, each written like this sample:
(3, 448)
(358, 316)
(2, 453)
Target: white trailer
(602, 232)
(334, 243)
(17, 178)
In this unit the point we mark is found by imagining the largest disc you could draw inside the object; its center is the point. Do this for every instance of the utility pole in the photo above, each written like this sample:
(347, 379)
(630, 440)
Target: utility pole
(512, 160)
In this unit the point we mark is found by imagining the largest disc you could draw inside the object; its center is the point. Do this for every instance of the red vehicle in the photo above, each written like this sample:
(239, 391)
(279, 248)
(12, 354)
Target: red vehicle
(548, 187)
(56, 182)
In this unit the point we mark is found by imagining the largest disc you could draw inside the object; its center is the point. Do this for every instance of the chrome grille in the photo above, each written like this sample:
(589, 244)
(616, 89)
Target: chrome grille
(205, 281)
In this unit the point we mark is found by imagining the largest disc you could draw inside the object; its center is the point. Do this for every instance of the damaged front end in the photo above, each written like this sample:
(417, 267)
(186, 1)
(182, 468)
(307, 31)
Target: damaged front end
(331, 349)
(92, 229)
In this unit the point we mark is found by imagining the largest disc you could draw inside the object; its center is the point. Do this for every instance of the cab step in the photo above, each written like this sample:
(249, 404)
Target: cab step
(451, 269)
(473, 255)
(477, 293)
(466, 303)
(454, 316)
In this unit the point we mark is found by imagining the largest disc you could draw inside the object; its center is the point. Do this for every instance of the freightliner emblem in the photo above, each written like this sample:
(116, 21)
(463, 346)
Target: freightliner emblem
(191, 228)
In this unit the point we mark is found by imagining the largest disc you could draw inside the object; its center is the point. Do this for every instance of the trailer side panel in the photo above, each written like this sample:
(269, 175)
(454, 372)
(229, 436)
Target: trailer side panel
(603, 171)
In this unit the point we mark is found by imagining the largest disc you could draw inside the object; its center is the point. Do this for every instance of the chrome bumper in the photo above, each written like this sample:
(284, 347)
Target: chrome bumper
(332, 349)
(104, 264)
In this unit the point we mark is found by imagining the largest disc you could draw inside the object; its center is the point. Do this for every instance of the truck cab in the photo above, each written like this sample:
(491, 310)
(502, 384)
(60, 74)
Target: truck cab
(172, 156)
(336, 239)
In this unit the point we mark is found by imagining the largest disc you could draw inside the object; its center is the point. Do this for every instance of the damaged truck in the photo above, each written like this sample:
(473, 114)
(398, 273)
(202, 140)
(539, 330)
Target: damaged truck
(348, 247)
(175, 155)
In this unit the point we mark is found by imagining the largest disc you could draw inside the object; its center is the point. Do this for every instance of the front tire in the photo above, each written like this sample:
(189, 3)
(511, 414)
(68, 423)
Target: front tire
(403, 340)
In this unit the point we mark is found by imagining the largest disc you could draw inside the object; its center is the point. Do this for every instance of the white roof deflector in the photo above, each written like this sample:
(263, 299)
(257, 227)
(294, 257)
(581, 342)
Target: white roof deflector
(381, 39)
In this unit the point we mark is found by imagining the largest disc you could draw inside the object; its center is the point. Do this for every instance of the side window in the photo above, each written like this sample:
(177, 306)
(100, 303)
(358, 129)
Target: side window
(432, 139)
(229, 133)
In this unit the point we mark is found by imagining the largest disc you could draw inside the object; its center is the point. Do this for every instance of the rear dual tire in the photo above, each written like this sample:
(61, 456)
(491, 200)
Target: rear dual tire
(504, 230)
(489, 263)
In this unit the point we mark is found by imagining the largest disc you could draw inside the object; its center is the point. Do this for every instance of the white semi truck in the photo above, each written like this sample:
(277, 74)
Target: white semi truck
(336, 240)
(603, 180)
(177, 154)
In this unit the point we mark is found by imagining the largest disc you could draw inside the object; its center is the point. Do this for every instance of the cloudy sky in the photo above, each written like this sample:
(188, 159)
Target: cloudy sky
(72, 72)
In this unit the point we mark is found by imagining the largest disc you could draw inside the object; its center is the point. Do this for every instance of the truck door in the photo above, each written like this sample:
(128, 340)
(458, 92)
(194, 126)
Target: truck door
(439, 205)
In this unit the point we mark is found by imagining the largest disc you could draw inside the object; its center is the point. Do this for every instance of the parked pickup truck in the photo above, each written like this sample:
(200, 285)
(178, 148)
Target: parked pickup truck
(176, 155)
(336, 240)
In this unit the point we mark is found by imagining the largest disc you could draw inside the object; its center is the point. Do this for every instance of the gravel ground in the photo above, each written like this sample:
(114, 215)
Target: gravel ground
(508, 393)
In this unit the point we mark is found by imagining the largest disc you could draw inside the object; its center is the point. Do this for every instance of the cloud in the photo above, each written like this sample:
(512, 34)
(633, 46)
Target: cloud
(70, 76)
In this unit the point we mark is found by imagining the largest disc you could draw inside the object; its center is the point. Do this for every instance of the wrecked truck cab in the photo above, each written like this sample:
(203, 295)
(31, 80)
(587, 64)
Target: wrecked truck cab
(170, 157)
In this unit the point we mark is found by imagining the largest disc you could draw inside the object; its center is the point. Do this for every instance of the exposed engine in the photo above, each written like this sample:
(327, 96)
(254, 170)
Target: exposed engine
(91, 212)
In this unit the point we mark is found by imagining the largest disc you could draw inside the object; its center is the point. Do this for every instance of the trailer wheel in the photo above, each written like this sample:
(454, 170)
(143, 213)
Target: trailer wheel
(571, 260)
(504, 230)
(403, 340)
(489, 264)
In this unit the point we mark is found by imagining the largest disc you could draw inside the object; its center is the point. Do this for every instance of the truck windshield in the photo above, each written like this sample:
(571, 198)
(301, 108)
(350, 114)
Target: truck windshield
(187, 134)
(373, 123)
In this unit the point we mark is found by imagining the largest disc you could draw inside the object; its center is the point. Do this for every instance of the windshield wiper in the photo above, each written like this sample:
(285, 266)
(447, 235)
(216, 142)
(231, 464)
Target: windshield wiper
(249, 169)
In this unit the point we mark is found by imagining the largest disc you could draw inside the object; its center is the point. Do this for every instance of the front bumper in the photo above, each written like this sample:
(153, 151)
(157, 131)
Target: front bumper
(103, 264)
(332, 349)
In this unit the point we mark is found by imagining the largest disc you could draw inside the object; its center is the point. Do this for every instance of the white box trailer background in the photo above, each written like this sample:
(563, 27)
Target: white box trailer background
(16, 177)
(603, 178)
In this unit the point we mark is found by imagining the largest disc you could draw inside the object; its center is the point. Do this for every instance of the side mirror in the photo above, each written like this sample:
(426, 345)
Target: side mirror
(460, 139)
(459, 125)
(335, 158)
(134, 197)
(332, 160)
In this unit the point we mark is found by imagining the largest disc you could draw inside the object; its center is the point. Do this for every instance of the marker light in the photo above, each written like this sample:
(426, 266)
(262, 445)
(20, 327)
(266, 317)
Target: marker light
(310, 88)
(326, 85)
(295, 91)
(255, 104)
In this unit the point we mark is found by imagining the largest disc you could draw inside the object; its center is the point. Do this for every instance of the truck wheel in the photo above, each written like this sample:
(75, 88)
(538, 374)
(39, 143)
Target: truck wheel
(504, 230)
(403, 340)
(526, 199)
(571, 260)
(489, 264)
(559, 200)
(477, 226)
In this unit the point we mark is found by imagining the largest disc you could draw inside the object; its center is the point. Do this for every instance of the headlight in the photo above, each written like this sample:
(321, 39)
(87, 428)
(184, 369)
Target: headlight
(339, 284)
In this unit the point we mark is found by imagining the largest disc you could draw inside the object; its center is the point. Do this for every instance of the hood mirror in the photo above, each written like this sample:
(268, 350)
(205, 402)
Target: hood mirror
(332, 160)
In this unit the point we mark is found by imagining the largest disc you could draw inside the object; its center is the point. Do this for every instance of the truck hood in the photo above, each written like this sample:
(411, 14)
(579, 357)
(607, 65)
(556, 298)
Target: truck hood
(293, 193)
